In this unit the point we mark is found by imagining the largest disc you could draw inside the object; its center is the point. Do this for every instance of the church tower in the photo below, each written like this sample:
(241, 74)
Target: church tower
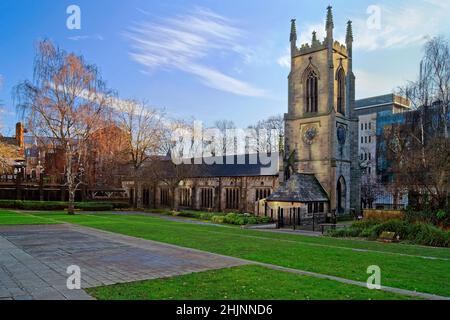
(320, 126)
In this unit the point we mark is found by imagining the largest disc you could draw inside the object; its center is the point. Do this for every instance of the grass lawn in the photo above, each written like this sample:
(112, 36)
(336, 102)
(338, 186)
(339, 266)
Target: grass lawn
(13, 218)
(239, 283)
(339, 257)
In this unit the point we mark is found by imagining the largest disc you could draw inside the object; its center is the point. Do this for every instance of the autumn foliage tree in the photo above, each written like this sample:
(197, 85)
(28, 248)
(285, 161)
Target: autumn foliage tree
(67, 100)
(8, 154)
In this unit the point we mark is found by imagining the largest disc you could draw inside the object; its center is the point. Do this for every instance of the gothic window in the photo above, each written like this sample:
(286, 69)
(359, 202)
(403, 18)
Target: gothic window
(207, 198)
(341, 195)
(185, 197)
(312, 89)
(232, 198)
(262, 193)
(146, 197)
(164, 196)
(341, 91)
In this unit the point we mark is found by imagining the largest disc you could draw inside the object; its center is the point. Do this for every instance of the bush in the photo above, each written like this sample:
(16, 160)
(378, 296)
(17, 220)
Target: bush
(437, 218)
(218, 219)
(399, 227)
(243, 219)
(417, 233)
(206, 216)
(190, 214)
(119, 205)
(94, 206)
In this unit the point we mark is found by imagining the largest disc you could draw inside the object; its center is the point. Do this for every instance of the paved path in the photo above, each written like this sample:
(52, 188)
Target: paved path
(34, 260)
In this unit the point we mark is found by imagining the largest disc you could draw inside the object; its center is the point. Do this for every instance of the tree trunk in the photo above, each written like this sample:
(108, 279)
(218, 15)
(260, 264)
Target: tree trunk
(174, 199)
(71, 209)
(71, 184)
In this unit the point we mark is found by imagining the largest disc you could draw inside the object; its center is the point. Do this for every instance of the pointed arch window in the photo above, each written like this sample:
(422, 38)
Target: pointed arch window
(341, 91)
(312, 88)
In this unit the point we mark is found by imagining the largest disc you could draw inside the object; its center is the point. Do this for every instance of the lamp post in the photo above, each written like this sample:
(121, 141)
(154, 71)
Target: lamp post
(41, 182)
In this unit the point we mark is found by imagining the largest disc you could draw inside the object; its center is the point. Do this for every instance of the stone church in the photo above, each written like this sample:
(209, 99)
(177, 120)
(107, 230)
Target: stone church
(318, 169)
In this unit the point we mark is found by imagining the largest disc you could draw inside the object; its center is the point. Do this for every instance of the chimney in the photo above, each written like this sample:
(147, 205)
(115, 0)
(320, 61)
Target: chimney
(19, 135)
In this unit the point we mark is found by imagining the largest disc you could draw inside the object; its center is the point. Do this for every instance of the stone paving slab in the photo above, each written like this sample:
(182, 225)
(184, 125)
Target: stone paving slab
(34, 260)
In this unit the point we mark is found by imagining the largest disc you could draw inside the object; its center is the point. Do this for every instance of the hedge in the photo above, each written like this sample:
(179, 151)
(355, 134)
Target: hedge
(416, 233)
(216, 217)
(383, 215)
(60, 205)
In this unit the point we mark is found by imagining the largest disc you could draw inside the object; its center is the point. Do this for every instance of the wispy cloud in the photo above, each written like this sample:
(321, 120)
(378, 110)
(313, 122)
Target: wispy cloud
(285, 59)
(87, 37)
(186, 41)
(402, 24)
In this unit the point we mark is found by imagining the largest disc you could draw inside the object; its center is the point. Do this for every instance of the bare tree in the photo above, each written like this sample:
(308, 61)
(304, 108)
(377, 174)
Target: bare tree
(419, 148)
(422, 168)
(266, 134)
(228, 145)
(67, 101)
(370, 190)
(172, 170)
(145, 130)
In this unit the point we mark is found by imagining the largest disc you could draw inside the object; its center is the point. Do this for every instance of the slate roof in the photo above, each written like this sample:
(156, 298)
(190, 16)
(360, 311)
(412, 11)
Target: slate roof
(300, 188)
(236, 166)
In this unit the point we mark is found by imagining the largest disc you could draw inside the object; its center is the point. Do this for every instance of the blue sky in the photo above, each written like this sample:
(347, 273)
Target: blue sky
(214, 59)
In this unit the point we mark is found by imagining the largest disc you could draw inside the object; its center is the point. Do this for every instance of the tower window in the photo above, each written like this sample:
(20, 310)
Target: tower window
(341, 91)
(312, 89)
